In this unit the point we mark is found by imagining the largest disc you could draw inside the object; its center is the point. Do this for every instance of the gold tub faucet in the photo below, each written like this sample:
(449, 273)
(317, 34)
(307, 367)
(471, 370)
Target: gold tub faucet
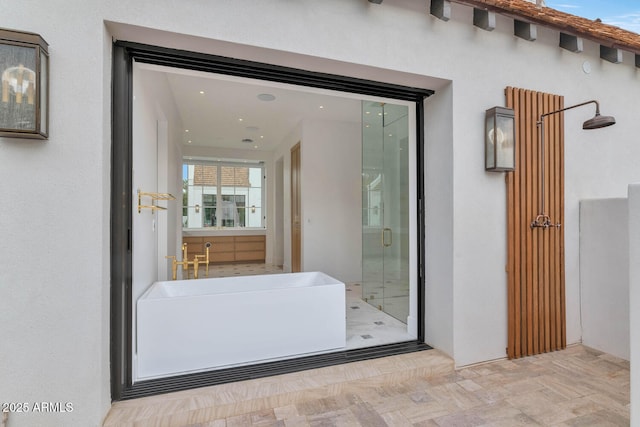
(185, 263)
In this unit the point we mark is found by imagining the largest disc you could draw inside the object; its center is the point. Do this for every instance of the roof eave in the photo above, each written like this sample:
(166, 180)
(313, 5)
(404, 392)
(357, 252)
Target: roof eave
(564, 22)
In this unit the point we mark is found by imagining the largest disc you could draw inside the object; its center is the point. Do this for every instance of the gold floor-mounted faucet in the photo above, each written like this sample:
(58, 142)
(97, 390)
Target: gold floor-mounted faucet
(185, 263)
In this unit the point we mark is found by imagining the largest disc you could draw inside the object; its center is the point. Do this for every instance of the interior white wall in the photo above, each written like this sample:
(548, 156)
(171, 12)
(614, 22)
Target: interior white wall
(604, 275)
(76, 163)
(634, 299)
(331, 181)
(170, 131)
(157, 168)
(144, 178)
(164, 269)
(157, 134)
(174, 186)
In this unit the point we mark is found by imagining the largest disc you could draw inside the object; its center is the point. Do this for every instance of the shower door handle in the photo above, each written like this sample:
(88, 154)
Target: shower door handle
(384, 237)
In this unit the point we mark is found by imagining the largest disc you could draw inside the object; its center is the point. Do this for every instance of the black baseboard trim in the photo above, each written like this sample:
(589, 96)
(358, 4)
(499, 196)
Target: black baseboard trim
(243, 373)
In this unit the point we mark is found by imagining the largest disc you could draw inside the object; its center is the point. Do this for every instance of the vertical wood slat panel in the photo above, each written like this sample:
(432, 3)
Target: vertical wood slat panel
(549, 236)
(545, 236)
(538, 315)
(521, 291)
(525, 201)
(519, 252)
(561, 341)
(561, 246)
(552, 212)
(535, 256)
(509, 179)
(555, 190)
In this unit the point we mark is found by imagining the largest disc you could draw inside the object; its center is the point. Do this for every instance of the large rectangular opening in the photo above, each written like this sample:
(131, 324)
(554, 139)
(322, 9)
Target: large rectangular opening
(361, 163)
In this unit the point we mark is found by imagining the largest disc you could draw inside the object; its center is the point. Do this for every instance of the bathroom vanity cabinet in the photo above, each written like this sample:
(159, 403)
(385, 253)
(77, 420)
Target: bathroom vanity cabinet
(240, 248)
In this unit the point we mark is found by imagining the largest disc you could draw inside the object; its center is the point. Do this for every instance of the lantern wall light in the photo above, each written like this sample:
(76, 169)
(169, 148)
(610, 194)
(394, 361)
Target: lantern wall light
(499, 140)
(24, 94)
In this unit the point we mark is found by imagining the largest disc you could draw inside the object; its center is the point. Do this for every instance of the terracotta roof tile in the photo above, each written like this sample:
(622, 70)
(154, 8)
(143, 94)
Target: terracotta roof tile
(604, 34)
(207, 175)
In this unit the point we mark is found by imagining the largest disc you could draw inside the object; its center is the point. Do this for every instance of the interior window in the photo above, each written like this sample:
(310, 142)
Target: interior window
(222, 195)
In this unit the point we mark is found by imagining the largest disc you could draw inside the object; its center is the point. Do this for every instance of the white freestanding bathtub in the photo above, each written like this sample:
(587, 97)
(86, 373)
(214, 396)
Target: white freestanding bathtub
(191, 325)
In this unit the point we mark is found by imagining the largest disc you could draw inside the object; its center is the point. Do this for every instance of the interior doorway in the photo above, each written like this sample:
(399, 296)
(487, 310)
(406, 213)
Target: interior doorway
(296, 211)
(278, 243)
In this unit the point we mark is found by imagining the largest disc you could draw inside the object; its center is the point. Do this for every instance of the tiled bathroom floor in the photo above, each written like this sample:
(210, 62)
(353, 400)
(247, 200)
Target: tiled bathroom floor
(577, 387)
(367, 326)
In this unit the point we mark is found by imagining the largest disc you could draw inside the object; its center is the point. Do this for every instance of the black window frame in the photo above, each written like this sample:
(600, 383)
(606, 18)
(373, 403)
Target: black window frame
(121, 328)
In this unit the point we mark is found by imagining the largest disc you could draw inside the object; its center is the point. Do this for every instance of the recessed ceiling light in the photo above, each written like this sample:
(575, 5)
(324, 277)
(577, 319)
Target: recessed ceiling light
(189, 141)
(186, 130)
(255, 146)
(261, 136)
(240, 119)
(321, 107)
(266, 97)
(201, 92)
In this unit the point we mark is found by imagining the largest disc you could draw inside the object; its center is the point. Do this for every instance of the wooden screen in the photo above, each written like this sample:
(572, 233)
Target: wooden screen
(535, 256)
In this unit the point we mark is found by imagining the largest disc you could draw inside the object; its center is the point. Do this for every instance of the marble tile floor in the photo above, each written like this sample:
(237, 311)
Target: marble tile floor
(577, 386)
(367, 326)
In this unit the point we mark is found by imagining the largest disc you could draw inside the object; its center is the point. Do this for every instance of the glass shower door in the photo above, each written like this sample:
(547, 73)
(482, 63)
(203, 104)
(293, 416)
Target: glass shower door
(385, 201)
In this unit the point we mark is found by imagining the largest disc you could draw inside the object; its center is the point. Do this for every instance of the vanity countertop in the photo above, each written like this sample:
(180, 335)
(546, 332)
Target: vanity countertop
(225, 232)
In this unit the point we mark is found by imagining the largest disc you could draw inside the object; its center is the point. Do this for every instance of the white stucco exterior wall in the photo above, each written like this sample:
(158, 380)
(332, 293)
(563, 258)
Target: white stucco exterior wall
(604, 275)
(54, 256)
(439, 220)
(54, 261)
(634, 300)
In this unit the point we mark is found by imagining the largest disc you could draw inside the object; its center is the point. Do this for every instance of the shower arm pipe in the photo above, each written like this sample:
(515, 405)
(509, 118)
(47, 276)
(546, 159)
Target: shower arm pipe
(543, 220)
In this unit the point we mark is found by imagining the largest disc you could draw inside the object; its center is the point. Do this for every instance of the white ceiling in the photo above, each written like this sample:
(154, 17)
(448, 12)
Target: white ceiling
(229, 109)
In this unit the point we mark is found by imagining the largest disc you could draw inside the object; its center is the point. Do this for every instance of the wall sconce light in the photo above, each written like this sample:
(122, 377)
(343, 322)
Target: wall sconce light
(253, 208)
(499, 140)
(197, 208)
(24, 71)
(596, 122)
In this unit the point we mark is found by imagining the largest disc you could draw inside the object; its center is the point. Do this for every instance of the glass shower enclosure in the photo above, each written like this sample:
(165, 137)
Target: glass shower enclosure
(385, 203)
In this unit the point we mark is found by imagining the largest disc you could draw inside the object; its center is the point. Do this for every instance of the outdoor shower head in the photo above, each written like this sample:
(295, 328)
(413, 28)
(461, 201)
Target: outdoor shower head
(599, 121)
(596, 122)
